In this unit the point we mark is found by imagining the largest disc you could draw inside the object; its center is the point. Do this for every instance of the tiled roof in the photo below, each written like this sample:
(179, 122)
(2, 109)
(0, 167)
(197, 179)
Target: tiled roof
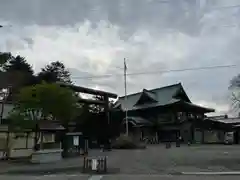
(226, 120)
(157, 97)
(163, 96)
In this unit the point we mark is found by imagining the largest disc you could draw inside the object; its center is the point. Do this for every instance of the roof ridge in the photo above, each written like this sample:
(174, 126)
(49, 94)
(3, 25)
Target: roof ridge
(177, 84)
(163, 87)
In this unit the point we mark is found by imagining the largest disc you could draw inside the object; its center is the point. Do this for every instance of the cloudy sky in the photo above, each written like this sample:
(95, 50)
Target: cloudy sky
(93, 36)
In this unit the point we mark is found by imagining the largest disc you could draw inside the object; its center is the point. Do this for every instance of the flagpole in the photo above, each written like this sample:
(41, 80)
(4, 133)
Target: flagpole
(125, 88)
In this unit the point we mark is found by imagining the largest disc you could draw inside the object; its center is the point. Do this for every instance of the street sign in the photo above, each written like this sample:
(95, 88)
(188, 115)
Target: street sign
(76, 140)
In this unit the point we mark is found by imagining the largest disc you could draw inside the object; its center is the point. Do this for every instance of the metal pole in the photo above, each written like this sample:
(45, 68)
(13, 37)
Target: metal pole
(125, 88)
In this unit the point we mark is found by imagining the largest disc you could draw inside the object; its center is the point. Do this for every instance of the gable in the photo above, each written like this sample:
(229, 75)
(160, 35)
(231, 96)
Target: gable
(146, 97)
(182, 95)
(117, 106)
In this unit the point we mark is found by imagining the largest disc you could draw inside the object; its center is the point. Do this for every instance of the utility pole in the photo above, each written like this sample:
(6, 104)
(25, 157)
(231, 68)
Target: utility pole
(125, 88)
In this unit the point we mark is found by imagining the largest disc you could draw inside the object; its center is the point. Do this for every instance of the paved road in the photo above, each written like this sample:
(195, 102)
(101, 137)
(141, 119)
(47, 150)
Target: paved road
(153, 160)
(119, 177)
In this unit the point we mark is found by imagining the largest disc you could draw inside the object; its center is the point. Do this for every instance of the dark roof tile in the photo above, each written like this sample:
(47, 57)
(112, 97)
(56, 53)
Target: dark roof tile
(163, 96)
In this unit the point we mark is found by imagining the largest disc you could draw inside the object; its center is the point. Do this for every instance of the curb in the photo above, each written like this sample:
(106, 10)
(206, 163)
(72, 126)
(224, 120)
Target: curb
(65, 170)
(212, 173)
(41, 171)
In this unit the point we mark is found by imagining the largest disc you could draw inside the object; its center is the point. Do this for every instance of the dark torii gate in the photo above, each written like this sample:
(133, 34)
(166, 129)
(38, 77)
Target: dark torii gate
(104, 94)
(104, 103)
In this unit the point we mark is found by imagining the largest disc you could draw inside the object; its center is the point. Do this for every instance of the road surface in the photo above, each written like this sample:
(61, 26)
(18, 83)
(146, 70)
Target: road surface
(119, 177)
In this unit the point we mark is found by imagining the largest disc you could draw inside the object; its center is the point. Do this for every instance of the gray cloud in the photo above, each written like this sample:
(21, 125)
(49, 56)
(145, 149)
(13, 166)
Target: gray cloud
(93, 36)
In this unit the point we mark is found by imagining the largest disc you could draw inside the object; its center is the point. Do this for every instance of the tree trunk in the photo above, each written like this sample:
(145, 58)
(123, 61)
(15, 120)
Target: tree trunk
(36, 138)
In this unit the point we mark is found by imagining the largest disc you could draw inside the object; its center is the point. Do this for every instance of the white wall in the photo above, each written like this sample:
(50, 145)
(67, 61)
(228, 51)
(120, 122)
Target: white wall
(7, 108)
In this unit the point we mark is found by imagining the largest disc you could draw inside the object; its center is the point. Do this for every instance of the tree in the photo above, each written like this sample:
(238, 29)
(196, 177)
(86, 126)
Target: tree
(18, 63)
(4, 57)
(235, 93)
(45, 101)
(55, 72)
(95, 108)
(20, 68)
(17, 73)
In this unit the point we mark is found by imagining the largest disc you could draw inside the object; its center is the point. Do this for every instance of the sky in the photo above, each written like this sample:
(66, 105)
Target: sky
(92, 37)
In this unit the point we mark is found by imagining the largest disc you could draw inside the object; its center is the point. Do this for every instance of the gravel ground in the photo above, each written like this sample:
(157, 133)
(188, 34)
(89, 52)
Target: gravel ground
(159, 160)
(156, 159)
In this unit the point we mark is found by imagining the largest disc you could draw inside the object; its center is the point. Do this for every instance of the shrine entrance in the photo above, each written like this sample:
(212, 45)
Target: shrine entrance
(72, 132)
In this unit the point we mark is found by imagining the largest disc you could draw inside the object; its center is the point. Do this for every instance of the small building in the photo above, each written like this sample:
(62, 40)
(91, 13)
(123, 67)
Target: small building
(50, 130)
(164, 113)
(218, 129)
(20, 142)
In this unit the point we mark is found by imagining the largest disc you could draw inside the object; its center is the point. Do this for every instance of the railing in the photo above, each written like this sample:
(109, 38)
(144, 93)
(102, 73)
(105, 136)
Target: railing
(150, 140)
(97, 164)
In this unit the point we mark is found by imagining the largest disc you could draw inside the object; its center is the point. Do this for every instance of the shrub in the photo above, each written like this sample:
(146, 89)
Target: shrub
(126, 142)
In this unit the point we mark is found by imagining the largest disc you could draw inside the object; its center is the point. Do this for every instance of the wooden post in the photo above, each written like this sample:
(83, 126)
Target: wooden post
(157, 137)
(27, 140)
(106, 108)
(203, 138)
(105, 164)
(8, 149)
(41, 140)
(85, 146)
(35, 137)
(107, 119)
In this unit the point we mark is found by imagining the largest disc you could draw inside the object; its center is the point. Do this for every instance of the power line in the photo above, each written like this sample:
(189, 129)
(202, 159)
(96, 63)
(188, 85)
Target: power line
(225, 7)
(159, 71)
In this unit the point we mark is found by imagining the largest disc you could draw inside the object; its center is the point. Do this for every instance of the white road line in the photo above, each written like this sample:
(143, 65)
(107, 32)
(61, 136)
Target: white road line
(139, 175)
(67, 175)
(212, 173)
(95, 178)
(50, 175)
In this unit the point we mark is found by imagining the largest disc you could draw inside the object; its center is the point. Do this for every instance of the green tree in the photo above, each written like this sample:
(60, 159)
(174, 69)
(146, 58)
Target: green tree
(55, 72)
(46, 101)
(50, 100)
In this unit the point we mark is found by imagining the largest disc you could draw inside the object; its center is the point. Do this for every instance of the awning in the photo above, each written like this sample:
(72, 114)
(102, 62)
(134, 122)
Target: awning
(137, 121)
(221, 123)
(193, 107)
(47, 125)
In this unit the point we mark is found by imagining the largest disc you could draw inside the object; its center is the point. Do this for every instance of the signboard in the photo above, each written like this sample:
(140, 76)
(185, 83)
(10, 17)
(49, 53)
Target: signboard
(229, 138)
(76, 140)
(94, 164)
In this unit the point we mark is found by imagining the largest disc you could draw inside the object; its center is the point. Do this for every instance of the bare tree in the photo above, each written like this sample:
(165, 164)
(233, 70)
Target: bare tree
(235, 93)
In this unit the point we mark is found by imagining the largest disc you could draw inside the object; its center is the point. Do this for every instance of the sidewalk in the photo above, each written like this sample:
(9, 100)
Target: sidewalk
(65, 165)
(23, 168)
